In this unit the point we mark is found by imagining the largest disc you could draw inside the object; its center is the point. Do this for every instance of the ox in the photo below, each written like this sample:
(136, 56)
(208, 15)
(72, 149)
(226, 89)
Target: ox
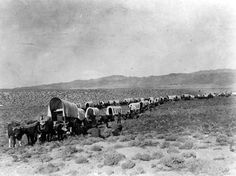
(46, 129)
(76, 123)
(30, 130)
(11, 135)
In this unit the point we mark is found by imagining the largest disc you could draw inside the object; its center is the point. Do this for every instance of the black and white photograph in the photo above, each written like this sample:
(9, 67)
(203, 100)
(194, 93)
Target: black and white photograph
(117, 88)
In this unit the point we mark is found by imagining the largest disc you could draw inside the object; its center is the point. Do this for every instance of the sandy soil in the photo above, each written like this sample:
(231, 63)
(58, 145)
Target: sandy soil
(86, 156)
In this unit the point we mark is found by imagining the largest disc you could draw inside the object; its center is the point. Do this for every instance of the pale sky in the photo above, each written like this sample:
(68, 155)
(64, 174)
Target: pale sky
(48, 41)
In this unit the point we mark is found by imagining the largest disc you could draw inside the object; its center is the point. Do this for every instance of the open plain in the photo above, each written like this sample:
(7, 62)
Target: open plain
(192, 137)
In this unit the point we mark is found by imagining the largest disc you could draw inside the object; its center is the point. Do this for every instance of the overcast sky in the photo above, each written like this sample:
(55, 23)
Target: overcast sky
(46, 41)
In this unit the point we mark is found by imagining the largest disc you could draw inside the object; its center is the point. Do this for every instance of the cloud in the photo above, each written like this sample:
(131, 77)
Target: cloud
(54, 41)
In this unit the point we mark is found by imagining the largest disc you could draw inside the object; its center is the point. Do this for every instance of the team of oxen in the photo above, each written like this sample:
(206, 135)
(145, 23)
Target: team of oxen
(66, 118)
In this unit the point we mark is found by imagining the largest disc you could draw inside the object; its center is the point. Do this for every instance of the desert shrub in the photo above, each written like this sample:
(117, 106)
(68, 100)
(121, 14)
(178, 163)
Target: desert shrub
(15, 158)
(107, 132)
(149, 135)
(172, 149)
(217, 148)
(68, 151)
(54, 144)
(126, 138)
(160, 136)
(142, 157)
(113, 158)
(187, 145)
(182, 139)
(173, 161)
(117, 146)
(112, 138)
(157, 155)
(164, 144)
(189, 154)
(127, 164)
(171, 137)
(134, 143)
(81, 159)
(148, 142)
(26, 155)
(96, 148)
(202, 146)
(47, 169)
(219, 158)
(79, 150)
(197, 135)
(45, 158)
(176, 144)
(87, 142)
(222, 139)
(140, 137)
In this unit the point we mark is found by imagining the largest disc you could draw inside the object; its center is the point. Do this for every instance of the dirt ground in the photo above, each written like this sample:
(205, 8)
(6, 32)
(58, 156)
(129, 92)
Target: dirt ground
(123, 155)
(178, 138)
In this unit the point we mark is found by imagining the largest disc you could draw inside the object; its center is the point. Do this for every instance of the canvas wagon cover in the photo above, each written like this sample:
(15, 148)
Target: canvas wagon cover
(68, 109)
(115, 110)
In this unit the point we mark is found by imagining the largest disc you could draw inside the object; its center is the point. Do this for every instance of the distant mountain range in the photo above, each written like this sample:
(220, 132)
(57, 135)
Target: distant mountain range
(220, 78)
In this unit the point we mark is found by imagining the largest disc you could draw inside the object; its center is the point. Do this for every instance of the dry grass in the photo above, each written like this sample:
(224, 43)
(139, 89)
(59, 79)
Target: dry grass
(126, 138)
(113, 158)
(222, 139)
(81, 159)
(172, 149)
(164, 144)
(134, 143)
(96, 148)
(189, 154)
(173, 161)
(171, 137)
(68, 152)
(187, 145)
(127, 164)
(112, 139)
(157, 155)
(142, 157)
(45, 158)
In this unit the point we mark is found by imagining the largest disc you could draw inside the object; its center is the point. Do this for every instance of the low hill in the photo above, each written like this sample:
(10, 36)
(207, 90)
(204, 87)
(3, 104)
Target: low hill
(220, 78)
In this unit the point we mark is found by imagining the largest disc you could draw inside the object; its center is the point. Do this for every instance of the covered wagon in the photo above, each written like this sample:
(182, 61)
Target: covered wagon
(62, 110)
(113, 110)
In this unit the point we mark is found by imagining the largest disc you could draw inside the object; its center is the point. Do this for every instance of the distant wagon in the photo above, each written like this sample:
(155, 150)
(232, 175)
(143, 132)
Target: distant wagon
(187, 97)
(129, 100)
(91, 116)
(135, 107)
(114, 110)
(171, 97)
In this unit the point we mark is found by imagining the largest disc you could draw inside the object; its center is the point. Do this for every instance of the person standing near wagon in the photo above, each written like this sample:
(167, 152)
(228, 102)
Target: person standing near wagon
(117, 126)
